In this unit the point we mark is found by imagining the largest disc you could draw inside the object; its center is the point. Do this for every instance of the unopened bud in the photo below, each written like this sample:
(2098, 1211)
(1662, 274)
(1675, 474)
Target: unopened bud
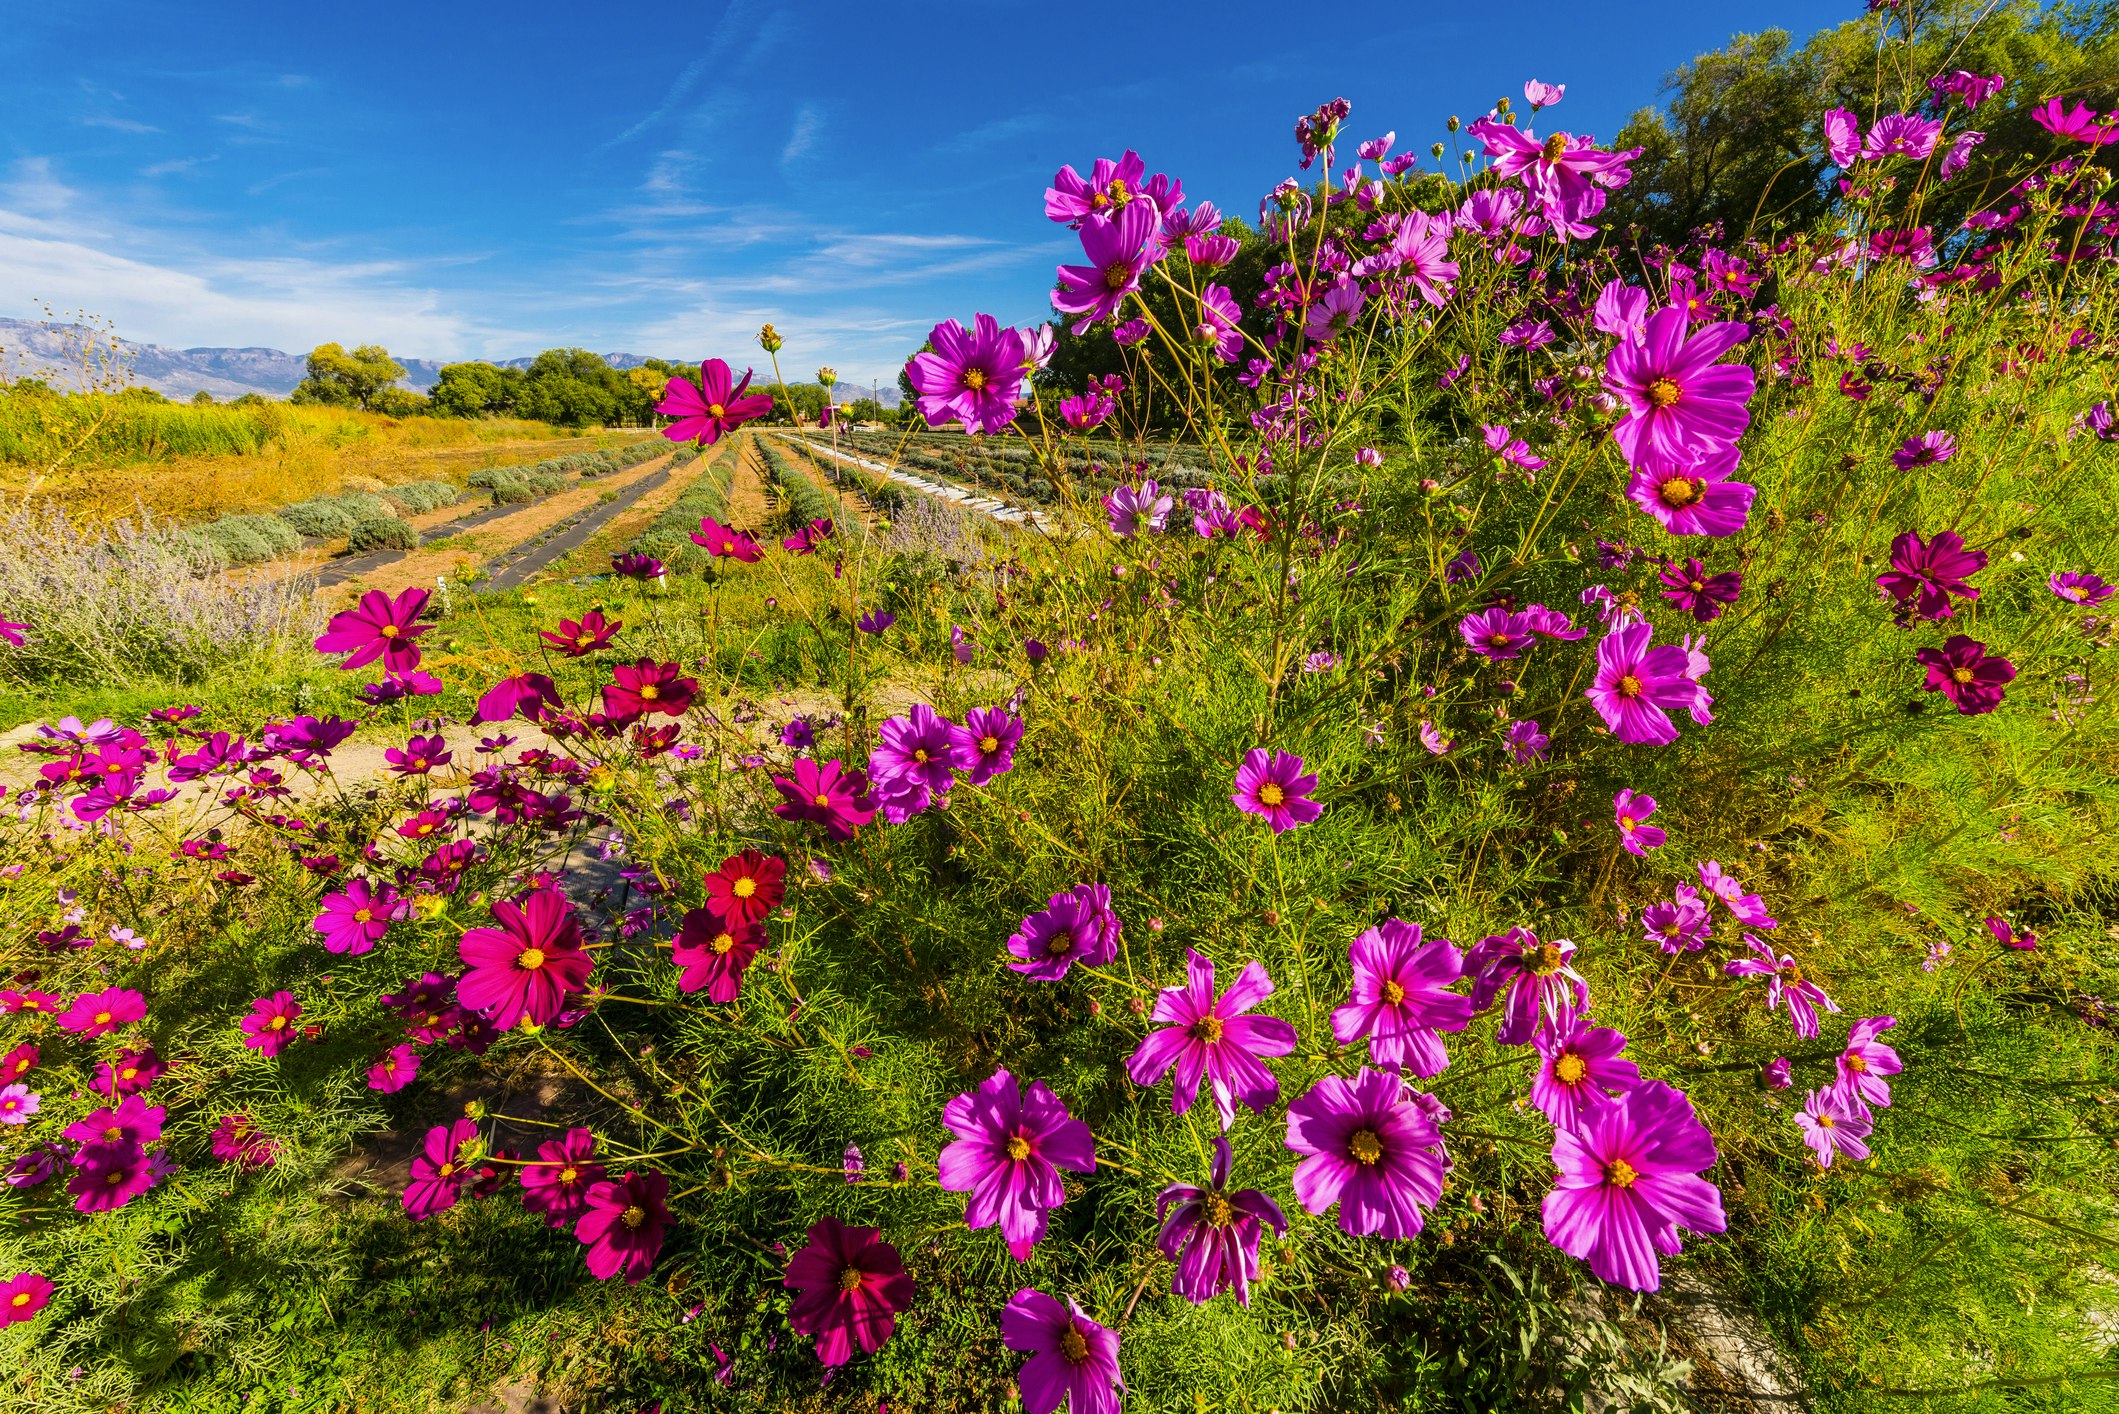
(1453, 123)
(1436, 150)
(769, 339)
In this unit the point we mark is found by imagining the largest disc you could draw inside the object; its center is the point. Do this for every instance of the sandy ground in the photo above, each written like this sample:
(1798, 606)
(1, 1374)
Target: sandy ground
(749, 508)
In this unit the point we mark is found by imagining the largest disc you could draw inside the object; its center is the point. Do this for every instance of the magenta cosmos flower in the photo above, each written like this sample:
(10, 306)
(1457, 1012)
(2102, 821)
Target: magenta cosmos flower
(714, 953)
(2081, 122)
(1928, 449)
(1564, 172)
(726, 542)
(523, 970)
(22, 1296)
(623, 1225)
(19, 1103)
(270, 1025)
(1400, 998)
(706, 410)
(1696, 497)
(1637, 683)
(1961, 671)
(1538, 978)
(134, 1121)
(1580, 1073)
(439, 1171)
(1009, 1149)
(108, 1176)
(1925, 573)
(1677, 926)
(1218, 329)
(1785, 982)
(1211, 1037)
(2008, 937)
(1213, 1235)
(1722, 887)
(1681, 402)
(378, 627)
(1866, 1061)
(1631, 809)
(578, 638)
(747, 887)
(1698, 593)
(851, 1285)
(96, 1014)
(354, 920)
(1495, 633)
(2076, 588)
(1629, 1179)
(1370, 1148)
(1272, 784)
(1076, 926)
(1072, 1358)
(557, 1184)
(826, 794)
(647, 687)
(985, 744)
(1117, 252)
(1110, 185)
(1832, 1126)
(397, 1069)
(916, 751)
(1141, 510)
(970, 376)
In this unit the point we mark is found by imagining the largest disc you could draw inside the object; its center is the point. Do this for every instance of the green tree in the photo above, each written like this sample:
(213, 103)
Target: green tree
(475, 390)
(340, 379)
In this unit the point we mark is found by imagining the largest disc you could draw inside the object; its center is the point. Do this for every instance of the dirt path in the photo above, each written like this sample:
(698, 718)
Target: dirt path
(442, 557)
(749, 505)
(798, 451)
(594, 557)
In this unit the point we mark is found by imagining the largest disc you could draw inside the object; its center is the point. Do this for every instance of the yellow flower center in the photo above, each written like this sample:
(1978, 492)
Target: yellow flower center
(129, 1073)
(362, 915)
(1858, 1064)
(1663, 391)
(633, 1216)
(114, 1133)
(1555, 147)
(1219, 1213)
(1364, 1147)
(569, 1174)
(1117, 275)
(1550, 960)
(989, 743)
(446, 1170)
(1393, 993)
(920, 755)
(21, 1299)
(1074, 1345)
(389, 630)
(1207, 1029)
(583, 640)
(650, 693)
(1018, 1147)
(744, 887)
(823, 800)
(1059, 944)
(1826, 1122)
(531, 959)
(1629, 686)
(102, 1018)
(116, 1178)
(723, 942)
(1961, 675)
(717, 409)
(1271, 794)
(850, 1280)
(1569, 1069)
(1682, 491)
(279, 1023)
(1620, 1173)
(974, 379)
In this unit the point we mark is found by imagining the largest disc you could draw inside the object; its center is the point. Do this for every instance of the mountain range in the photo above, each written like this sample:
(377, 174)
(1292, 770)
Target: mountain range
(30, 349)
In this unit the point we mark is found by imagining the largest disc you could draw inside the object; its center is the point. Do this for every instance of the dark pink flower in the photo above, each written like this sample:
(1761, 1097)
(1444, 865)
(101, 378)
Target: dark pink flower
(1629, 1179)
(1117, 251)
(134, 1122)
(1579, 1072)
(108, 1176)
(713, 952)
(1833, 1125)
(1010, 1146)
(828, 794)
(647, 687)
(725, 541)
(1925, 573)
(1370, 1148)
(624, 1224)
(1273, 785)
(1866, 1061)
(557, 1184)
(1212, 1233)
(1073, 1359)
(970, 376)
(523, 970)
(379, 627)
(354, 920)
(1696, 498)
(94, 1014)
(1400, 999)
(851, 1286)
(1682, 403)
(440, 1170)
(1698, 593)
(1785, 983)
(1541, 985)
(394, 1071)
(23, 1295)
(1630, 810)
(1210, 1037)
(1961, 671)
(706, 410)
(270, 1026)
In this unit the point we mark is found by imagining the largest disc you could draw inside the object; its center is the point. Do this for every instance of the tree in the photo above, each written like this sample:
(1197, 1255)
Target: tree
(340, 379)
(475, 390)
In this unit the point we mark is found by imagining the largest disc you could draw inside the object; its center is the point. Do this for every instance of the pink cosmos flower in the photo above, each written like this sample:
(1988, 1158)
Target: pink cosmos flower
(1400, 998)
(623, 1225)
(1580, 1073)
(1110, 185)
(1527, 742)
(108, 1176)
(1677, 926)
(22, 1296)
(378, 627)
(1010, 1146)
(714, 953)
(1866, 1061)
(1630, 810)
(2082, 123)
(725, 541)
(1073, 1360)
(1842, 137)
(810, 538)
(1785, 982)
(13, 633)
(1076, 926)
(1832, 1126)
(714, 406)
(1959, 156)
(851, 1286)
(1211, 1037)
(1139, 511)
(237, 1140)
(1564, 172)
(18, 1103)
(95, 1014)
(1495, 633)
(1542, 95)
(1722, 887)
(1636, 684)
(1511, 449)
(1698, 593)
(647, 687)
(355, 919)
(2083, 589)
(394, 1071)
(747, 887)
(1622, 311)
(1118, 251)
(577, 638)
(1213, 1234)
(1335, 310)
(1777, 1074)
(1629, 1178)
(1924, 574)
(1902, 135)
(1681, 403)
(985, 744)
(270, 1026)
(1218, 327)
(969, 375)
(2008, 937)
(1697, 498)
(1273, 785)
(557, 1184)
(1541, 983)
(528, 693)
(134, 1122)
(1961, 671)
(522, 971)
(828, 794)
(1370, 1148)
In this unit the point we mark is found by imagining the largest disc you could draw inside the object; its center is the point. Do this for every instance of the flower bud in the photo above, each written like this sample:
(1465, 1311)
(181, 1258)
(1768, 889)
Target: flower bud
(1436, 150)
(1453, 123)
(769, 339)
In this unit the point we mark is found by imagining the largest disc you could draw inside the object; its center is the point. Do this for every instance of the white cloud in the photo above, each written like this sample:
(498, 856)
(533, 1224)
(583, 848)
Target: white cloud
(808, 123)
(122, 125)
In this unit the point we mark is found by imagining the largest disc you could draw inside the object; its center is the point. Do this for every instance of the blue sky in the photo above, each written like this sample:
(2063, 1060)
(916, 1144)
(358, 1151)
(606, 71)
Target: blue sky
(460, 180)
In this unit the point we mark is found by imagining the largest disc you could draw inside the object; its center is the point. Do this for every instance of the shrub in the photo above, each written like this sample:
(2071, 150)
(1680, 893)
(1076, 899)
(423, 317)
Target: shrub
(381, 533)
(420, 497)
(321, 518)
